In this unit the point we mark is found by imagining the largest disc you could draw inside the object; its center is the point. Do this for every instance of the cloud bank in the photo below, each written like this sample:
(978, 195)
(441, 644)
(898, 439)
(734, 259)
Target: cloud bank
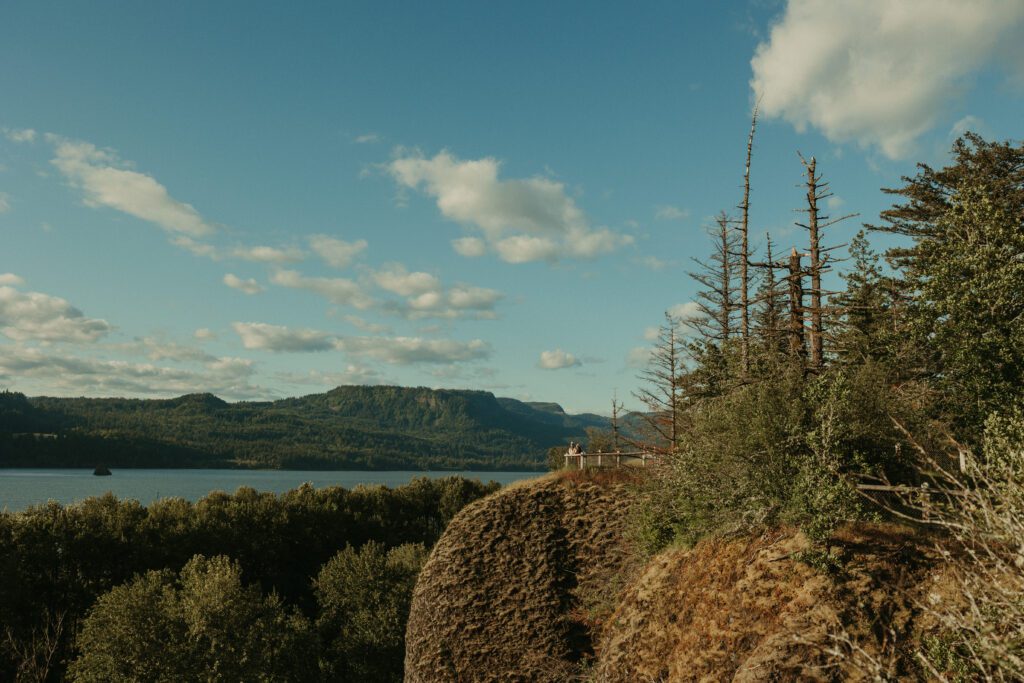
(878, 72)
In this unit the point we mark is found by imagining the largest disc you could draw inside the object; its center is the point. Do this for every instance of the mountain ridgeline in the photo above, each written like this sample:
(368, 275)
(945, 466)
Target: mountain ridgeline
(350, 427)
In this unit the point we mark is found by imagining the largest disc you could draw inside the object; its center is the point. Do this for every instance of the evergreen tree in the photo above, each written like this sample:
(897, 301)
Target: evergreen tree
(965, 275)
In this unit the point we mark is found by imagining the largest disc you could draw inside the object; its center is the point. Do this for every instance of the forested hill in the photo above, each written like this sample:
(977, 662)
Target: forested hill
(350, 427)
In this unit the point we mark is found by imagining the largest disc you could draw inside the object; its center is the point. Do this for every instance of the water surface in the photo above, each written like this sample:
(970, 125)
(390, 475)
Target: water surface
(20, 488)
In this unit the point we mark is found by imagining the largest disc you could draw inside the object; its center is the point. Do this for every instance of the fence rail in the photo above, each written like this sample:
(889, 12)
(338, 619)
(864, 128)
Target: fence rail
(582, 461)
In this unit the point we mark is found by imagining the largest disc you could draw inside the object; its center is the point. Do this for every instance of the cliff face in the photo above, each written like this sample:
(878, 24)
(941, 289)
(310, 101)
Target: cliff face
(503, 595)
(508, 595)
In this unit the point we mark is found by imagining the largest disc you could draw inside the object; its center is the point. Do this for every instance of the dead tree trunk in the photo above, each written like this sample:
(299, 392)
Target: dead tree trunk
(797, 343)
(744, 254)
(817, 332)
(817, 191)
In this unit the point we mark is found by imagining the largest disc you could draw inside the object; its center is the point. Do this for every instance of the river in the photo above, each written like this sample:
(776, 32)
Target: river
(20, 488)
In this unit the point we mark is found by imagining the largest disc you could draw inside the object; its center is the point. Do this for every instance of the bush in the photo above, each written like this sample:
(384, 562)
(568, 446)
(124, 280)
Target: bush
(782, 449)
(203, 624)
(364, 597)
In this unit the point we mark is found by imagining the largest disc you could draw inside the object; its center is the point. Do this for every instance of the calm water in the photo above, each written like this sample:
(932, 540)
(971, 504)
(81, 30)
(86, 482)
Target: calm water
(20, 488)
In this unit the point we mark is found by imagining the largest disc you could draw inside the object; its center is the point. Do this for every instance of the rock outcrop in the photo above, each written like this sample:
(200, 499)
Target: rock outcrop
(504, 593)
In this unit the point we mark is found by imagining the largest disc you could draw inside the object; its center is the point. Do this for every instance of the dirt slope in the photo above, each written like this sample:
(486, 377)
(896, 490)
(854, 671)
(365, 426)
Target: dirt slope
(500, 597)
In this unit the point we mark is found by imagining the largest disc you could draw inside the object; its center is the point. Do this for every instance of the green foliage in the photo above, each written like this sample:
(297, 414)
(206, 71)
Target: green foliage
(203, 625)
(346, 428)
(779, 449)
(364, 597)
(59, 559)
(965, 274)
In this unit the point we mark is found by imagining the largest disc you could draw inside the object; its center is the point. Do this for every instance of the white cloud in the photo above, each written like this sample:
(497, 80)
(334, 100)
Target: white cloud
(557, 359)
(367, 138)
(391, 350)
(41, 317)
(341, 291)
(196, 248)
(667, 212)
(973, 124)
(653, 263)
(413, 350)
(10, 279)
(335, 252)
(639, 357)
(470, 247)
(204, 334)
(524, 220)
(365, 326)
(396, 279)
(651, 333)
(476, 298)
(5, 203)
(20, 134)
(262, 254)
(526, 248)
(686, 311)
(834, 202)
(105, 181)
(62, 374)
(878, 72)
(159, 350)
(352, 374)
(249, 286)
(268, 337)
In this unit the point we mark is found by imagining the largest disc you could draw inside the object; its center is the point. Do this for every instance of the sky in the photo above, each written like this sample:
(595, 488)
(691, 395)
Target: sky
(267, 199)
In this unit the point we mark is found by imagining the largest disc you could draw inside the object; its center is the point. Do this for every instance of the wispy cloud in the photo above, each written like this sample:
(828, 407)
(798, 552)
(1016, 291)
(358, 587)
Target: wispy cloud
(264, 254)
(390, 350)
(335, 252)
(667, 212)
(266, 337)
(248, 286)
(341, 291)
(20, 134)
(107, 181)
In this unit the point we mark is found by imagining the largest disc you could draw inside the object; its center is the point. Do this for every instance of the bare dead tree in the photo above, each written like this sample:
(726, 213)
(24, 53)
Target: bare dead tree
(663, 393)
(817, 191)
(717, 300)
(616, 407)
(744, 254)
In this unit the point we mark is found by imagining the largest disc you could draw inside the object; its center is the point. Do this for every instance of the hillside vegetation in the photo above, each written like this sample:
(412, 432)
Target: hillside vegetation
(350, 427)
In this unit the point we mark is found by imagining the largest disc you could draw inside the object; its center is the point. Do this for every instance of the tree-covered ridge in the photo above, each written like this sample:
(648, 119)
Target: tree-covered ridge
(350, 427)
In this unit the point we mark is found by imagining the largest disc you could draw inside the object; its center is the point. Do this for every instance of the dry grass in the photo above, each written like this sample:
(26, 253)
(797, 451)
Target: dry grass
(750, 610)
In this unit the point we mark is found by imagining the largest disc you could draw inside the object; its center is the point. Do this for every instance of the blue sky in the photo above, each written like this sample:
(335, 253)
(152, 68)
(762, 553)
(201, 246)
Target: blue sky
(271, 199)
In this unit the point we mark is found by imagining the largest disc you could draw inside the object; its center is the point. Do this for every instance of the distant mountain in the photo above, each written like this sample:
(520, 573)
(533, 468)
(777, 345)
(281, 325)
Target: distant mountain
(350, 427)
